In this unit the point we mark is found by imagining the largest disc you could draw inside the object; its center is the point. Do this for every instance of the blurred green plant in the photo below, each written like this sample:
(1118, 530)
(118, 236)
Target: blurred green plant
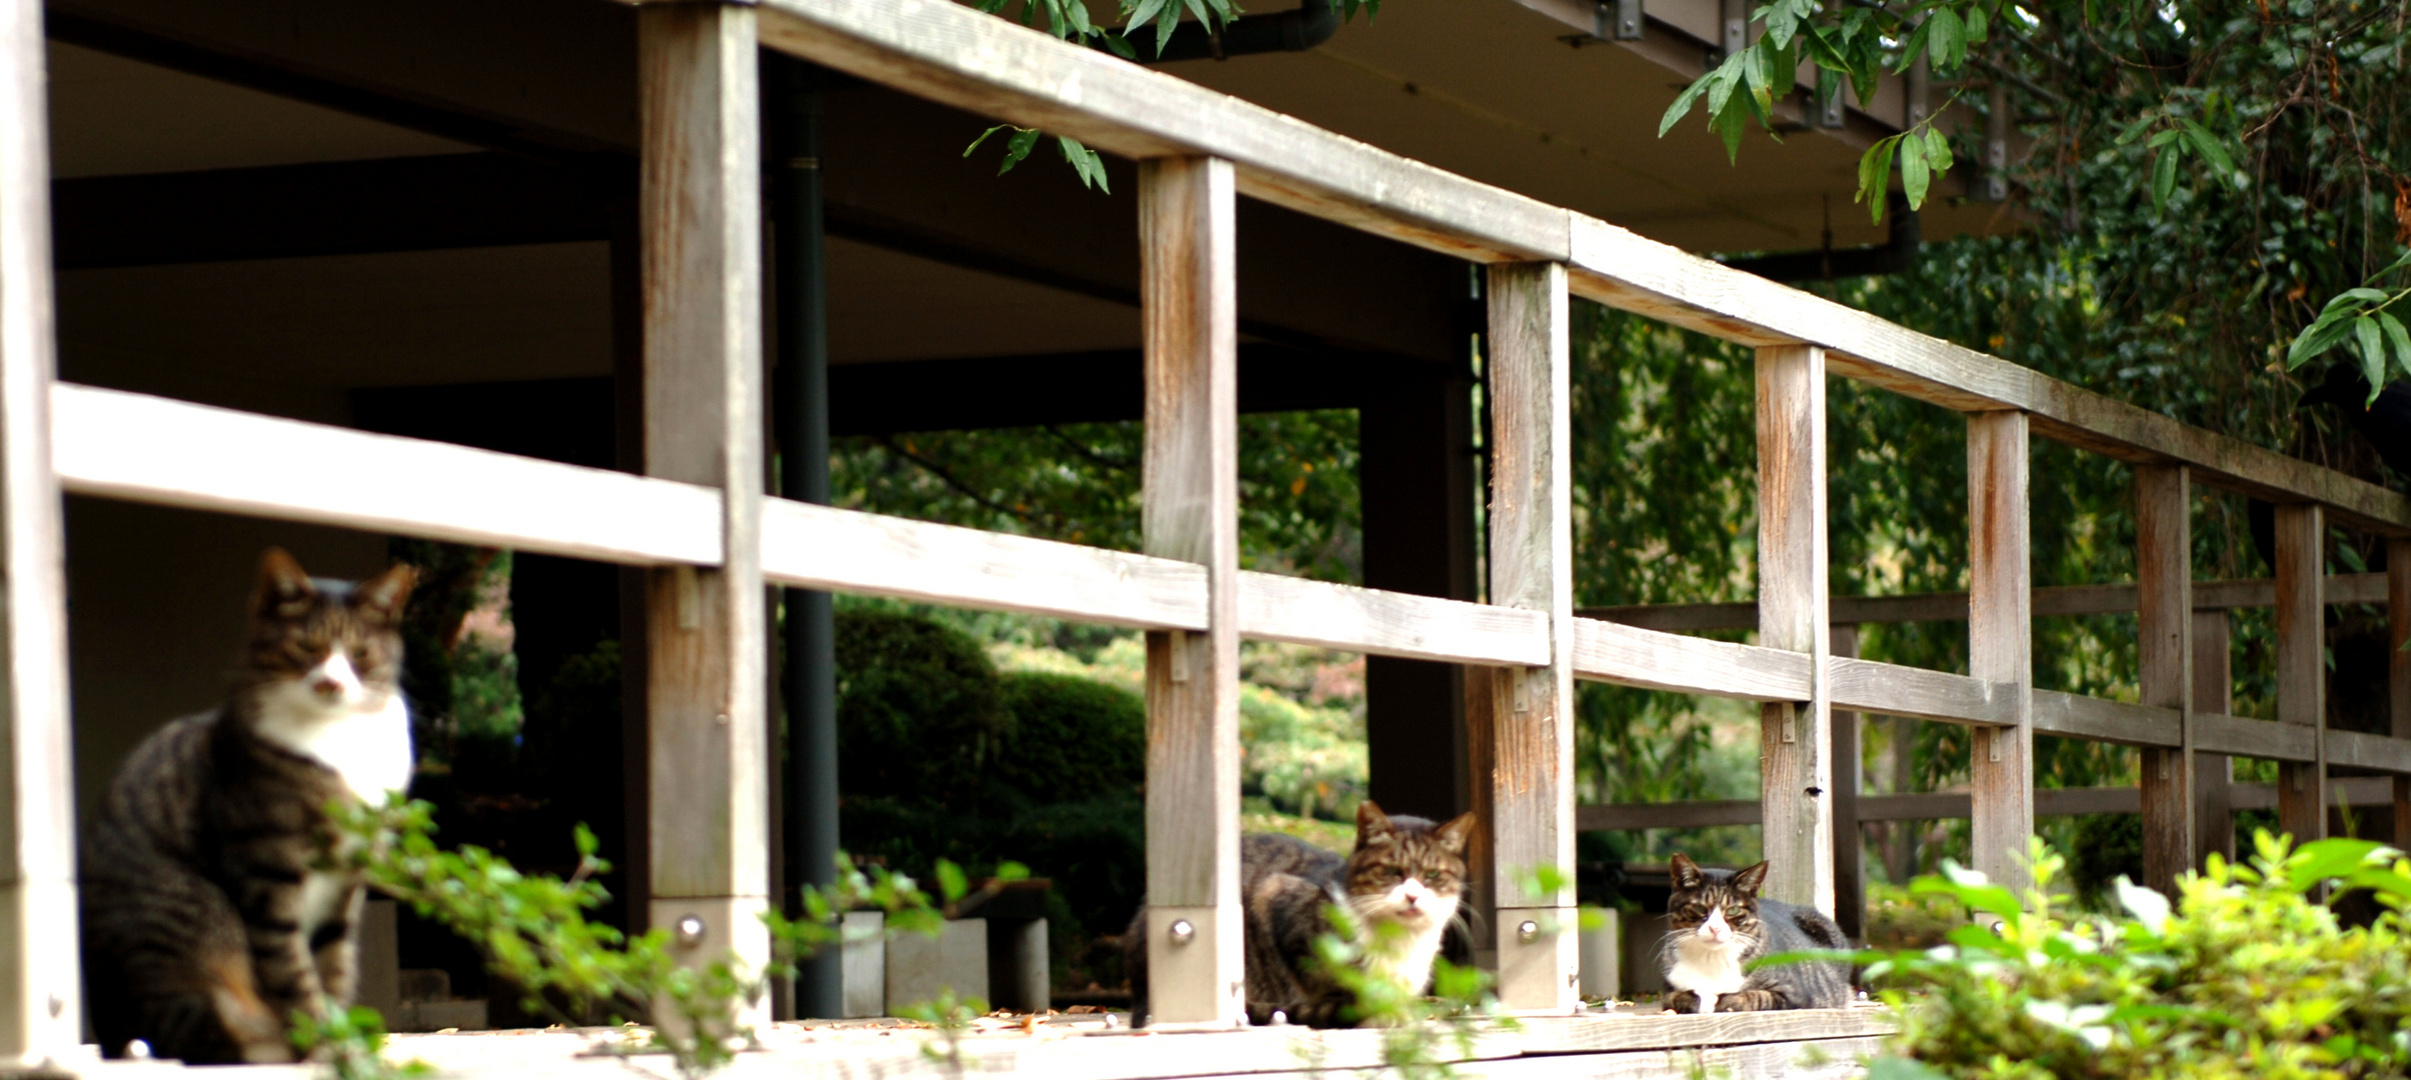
(534, 930)
(2247, 974)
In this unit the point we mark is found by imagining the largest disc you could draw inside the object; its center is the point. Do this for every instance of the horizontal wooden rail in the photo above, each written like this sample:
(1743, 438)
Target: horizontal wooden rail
(819, 547)
(2076, 716)
(955, 55)
(174, 453)
(2375, 753)
(1894, 690)
(2242, 736)
(1630, 656)
(1941, 805)
(1273, 607)
(1952, 607)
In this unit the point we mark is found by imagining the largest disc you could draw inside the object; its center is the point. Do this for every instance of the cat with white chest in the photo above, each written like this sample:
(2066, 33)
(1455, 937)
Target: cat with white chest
(1717, 925)
(208, 918)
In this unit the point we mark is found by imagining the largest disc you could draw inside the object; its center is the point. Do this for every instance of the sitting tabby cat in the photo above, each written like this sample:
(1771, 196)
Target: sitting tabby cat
(1406, 872)
(206, 919)
(1718, 925)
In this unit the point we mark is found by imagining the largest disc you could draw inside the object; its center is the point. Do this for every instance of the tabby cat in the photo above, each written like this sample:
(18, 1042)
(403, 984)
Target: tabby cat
(1718, 925)
(208, 917)
(1405, 872)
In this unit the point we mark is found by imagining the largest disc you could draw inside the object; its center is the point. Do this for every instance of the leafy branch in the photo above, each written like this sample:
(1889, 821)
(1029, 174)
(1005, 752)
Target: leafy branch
(2357, 319)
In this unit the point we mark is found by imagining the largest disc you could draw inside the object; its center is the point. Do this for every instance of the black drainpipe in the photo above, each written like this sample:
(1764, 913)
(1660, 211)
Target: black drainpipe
(1310, 25)
(800, 421)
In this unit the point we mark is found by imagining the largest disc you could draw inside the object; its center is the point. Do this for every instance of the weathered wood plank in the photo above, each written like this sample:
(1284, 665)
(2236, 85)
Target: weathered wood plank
(1642, 1028)
(41, 1000)
(952, 54)
(2164, 664)
(2077, 716)
(2214, 774)
(1917, 806)
(1630, 656)
(2302, 666)
(2376, 753)
(1275, 607)
(1531, 710)
(707, 685)
(1952, 607)
(2359, 791)
(820, 547)
(2000, 642)
(1188, 239)
(2240, 736)
(2398, 671)
(1896, 690)
(1795, 775)
(173, 453)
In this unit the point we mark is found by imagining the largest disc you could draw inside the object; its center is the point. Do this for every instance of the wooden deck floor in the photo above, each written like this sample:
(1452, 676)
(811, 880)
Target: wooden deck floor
(1625, 1044)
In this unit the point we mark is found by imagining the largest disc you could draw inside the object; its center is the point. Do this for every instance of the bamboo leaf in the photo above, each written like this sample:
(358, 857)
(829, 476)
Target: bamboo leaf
(983, 137)
(2321, 335)
(1682, 104)
(2400, 338)
(2163, 178)
(2209, 147)
(1914, 174)
(1875, 176)
(2370, 342)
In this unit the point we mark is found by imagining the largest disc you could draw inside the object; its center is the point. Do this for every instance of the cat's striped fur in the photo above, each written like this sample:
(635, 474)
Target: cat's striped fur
(1717, 925)
(209, 914)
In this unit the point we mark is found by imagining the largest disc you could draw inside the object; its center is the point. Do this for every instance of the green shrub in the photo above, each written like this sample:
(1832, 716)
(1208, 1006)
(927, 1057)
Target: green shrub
(2247, 976)
(918, 710)
(1071, 737)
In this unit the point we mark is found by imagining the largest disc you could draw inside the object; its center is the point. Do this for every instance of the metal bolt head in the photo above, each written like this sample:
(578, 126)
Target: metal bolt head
(1527, 931)
(690, 931)
(1183, 931)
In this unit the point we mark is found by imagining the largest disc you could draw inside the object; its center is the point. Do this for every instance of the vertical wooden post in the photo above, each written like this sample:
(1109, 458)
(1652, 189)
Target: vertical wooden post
(2164, 669)
(1900, 849)
(2302, 665)
(1188, 238)
(1849, 846)
(2398, 671)
(2213, 774)
(1795, 773)
(707, 684)
(1999, 643)
(1531, 711)
(41, 1000)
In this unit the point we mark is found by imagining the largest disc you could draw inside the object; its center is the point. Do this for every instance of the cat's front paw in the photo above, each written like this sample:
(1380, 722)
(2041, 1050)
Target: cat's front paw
(1680, 1001)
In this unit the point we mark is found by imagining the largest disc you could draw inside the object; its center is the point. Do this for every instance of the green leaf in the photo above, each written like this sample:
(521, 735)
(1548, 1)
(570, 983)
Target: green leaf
(1947, 42)
(2321, 335)
(2400, 338)
(2209, 147)
(983, 137)
(1875, 176)
(1913, 174)
(2163, 178)
(951, 883)
(1682, 104)
(1915, 47)
(1938, 150)
(2371, 343)
(1901, 1068)
(1018, 147)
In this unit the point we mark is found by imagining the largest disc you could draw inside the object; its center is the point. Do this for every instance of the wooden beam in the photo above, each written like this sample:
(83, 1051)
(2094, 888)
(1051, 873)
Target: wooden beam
(2373, 753)
(1530, 711)
(2398, 671)
(2302, 667)
(2241, 736)
(41, 1000)
(2000, 642)
(1630, 656)
(1849, 868)
(2075, 716)
(2213, 774)
(2164, 665)
(1795, 773)
(1952, 607)
(2370, 791)
(1894, 690)
(707, 683)
(1190, 512)
(174, 453)
(1274, 607)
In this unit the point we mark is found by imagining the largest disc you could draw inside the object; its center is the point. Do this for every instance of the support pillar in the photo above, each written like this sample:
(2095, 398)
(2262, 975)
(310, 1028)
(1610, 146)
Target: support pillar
(1189, 507)
(2000, 643)
(1796, 776)
(2164, 667)
(41, 997)
(2302, 665)
(1529, 712)
(707, 692)
(2398, 670)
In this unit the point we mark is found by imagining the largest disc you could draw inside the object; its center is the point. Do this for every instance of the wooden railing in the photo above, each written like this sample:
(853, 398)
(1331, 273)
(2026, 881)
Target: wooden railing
(697, 515)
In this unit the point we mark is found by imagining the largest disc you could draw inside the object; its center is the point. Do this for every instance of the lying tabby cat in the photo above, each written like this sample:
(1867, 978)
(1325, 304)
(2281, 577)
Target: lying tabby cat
(1718, 925)
(206, 922)
(1405, 872)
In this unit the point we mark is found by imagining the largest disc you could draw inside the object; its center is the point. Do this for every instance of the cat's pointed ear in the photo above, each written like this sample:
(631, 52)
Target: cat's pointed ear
(1749, 880)
(1372, 826)
(1453, 835)
(1685, 872)
(383, 597)
(284, 587)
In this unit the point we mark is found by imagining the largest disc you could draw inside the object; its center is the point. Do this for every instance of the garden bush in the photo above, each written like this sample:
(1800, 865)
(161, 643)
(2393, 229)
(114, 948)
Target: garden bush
(2245, 975)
